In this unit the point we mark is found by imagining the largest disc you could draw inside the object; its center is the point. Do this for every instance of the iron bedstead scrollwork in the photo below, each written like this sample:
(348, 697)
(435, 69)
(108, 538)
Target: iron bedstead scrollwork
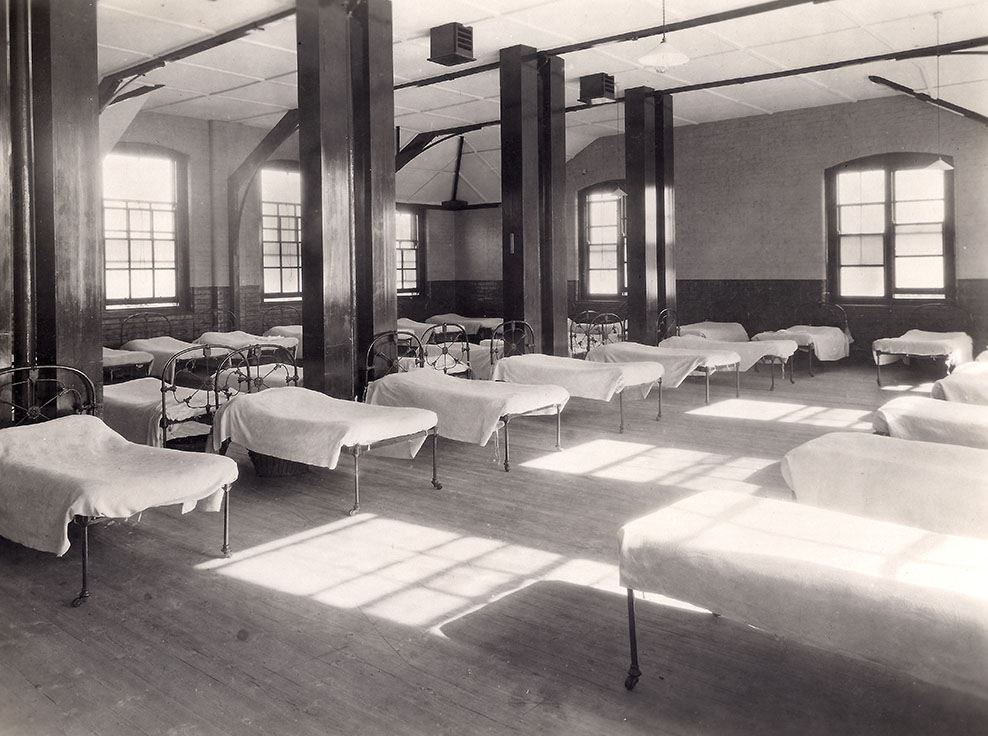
(274, 314)
(668, 323)
(145, 319)
(446, 348)
(35, 394)
(942, 316)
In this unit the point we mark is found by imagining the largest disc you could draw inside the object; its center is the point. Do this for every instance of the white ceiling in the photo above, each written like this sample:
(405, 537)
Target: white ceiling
(253, 80)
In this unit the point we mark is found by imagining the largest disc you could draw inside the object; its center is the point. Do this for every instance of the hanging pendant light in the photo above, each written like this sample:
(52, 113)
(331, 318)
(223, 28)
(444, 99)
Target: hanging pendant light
(940, 164)
(665, 55)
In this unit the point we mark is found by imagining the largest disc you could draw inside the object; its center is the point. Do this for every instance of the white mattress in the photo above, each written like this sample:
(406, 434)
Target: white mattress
(828, 343)
(929, 420)
(724, 331)
(312, 428)
(957, 346)
(417, 328)
(133, 409)
(586, 380)
(906, 598)
(293, 331)
(76, 465)
(237, 339)
(968, 383)
(749, 352)
(472, 325)
(677, 363)
(120, 358)
(943, 488)
(469, 411)
(162, 348)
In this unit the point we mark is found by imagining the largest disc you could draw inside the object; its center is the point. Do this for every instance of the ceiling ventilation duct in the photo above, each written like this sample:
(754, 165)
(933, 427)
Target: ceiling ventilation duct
(595, 87)
(451, 44)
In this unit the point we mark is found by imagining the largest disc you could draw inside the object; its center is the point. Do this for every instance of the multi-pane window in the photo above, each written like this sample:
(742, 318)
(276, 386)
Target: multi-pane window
(889, 227)
(407, 250)
(281, 233)
(603, 251)
(140, 228)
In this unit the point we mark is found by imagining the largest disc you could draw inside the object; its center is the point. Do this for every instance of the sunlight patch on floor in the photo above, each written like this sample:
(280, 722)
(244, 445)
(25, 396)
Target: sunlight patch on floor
(772, 411)
(918, 388)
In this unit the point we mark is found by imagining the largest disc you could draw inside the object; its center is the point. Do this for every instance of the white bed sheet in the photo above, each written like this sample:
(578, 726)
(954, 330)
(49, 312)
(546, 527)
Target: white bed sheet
(472, 325)
(417, 328)
(724, 331)
(309, 427)
(906, 598)
(749, 352)
(943, 488)
(600, 381)
(120, 358)
(293, 331)
(676, 363)
(967, 383)
(133, 410)
(829, 343)
(957, 346)
(76, 465)
(929, 420)
(162, 348)
(238, 339)
(469, 411)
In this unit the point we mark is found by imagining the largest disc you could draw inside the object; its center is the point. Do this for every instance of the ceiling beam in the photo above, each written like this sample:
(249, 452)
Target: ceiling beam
(135, 92)
(680, 25)
(413, 148)
(111, 82)
(936, 102)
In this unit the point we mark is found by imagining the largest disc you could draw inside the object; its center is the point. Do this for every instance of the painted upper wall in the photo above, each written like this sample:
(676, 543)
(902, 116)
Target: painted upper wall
(749, 191)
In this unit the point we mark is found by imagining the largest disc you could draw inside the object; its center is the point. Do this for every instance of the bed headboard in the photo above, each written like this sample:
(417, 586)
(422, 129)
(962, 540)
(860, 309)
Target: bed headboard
(33, 394)
(513, 337)
(607, 327)
(255, 368)
(275, 315)
(145, 319)
(940, 317)
(668, 323)
(824, 314)
(451, 347)
(393, 351)
(580, 328)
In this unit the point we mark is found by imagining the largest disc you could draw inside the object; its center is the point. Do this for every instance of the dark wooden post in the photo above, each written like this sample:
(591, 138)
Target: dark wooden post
(374, 172)
(67, 200)
(665, 173)
(521, 266)
(552, 207)
(6, 202)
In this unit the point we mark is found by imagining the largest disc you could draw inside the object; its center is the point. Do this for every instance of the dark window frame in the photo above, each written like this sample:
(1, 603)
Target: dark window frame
(889, 163)
(180, 160)
(421, 247)
(583, 230)
(287, 165)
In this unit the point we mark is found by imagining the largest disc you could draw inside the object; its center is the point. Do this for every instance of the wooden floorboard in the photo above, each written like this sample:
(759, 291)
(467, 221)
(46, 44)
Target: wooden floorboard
(488, 607)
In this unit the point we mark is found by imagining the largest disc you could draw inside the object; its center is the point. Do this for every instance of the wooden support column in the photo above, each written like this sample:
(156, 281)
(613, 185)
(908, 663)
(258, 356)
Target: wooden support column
(650, 211)
(552, 205)
(521, 265)
(66, 204)
(6, 202)
(376, 285)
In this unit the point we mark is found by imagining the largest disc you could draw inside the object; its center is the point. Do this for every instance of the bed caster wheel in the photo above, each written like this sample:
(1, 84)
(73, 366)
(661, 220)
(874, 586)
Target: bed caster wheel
(630, 681)
(437, 485)
(352, 511)
(80, 599)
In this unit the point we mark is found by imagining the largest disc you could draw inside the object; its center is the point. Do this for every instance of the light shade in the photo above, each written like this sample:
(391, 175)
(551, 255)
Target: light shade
(664, 56)
(940, 165)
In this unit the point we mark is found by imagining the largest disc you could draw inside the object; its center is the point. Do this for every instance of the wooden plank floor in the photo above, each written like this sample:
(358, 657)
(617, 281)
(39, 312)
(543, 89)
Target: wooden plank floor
(489, 607)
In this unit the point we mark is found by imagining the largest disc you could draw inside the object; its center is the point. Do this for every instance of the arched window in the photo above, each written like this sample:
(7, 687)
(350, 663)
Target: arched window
(281, 230)
(602, 234)
(890, 229)
(145, 226)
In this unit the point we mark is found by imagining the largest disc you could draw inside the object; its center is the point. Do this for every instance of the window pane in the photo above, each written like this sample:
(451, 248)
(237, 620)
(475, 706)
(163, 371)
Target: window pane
(861, 250)
(134, 176)
(164, 221)
(404, 222)
(164, 284)
(603, 213)
(116, 254)
(117, 284)
(862, 219)
(918, 184)
(140, 220)
(919, 273)
(603, 282)
(919, 240)
(140, 253)
(603, 234)
(603, 257)
(280, 185)
(289, 281)
(142, 284)
(114, 219)
(862, 281)
(272, 281)
(861, 186)
(929, 211)
(164, 253)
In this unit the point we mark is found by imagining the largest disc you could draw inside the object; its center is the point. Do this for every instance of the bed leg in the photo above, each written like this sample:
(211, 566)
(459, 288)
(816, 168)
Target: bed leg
(559, 427)
(621, 411)
(83, 522)
(435, 459)
(659, 415)
(226, 521)
(737, 380)
(224, 447)
(356, 482)
(507, 459)
(791, 362)
(706, 386)
(809, 361)
(634, 673)
(771, 368)
(878, 368)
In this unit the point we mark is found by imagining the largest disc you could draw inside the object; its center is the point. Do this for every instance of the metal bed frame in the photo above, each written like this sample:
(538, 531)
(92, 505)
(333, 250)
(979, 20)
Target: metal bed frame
(404, 349)
(935, 317)
(128, 372)
(40, 395)
(511, 337)
(826, 314)
(443, 336)
(668, 327)
(144, 318)
(279, 311)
